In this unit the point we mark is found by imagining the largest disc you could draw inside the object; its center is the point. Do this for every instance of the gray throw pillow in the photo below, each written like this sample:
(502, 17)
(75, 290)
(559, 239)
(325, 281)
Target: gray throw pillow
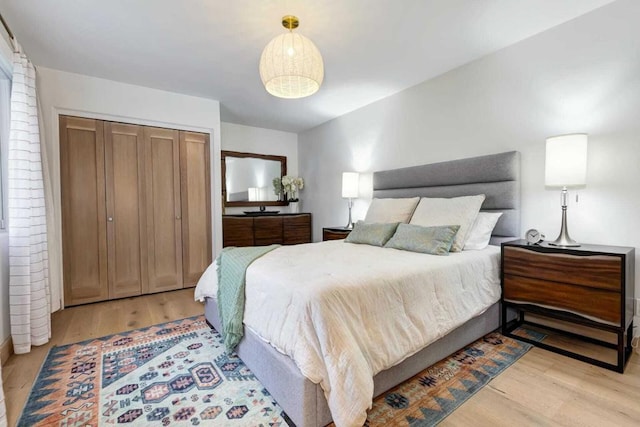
(371, 234)
(435, 240)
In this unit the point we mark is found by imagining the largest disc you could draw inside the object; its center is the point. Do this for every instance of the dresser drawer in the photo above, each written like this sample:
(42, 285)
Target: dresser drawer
(267, 230)
(237, 231)
(297, 229)
(586, 301)
(597, 271)
(297, 234)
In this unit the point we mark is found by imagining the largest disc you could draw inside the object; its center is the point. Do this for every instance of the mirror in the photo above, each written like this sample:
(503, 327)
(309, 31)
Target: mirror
(247, 178)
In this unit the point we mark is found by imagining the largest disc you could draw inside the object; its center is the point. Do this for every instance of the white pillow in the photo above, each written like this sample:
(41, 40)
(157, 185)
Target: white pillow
(391, 210)
(480, 233)
(460, 211)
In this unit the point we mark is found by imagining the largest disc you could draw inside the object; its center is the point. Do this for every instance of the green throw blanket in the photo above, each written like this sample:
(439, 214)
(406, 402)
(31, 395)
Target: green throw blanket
(232, 268)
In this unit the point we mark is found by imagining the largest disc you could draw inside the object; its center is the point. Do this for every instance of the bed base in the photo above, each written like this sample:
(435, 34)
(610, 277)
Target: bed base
(304, 401)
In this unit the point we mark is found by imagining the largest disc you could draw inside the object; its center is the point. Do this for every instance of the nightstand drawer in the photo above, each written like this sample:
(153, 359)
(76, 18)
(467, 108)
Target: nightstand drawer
(335, 234)
(597, 271)
(590, 302)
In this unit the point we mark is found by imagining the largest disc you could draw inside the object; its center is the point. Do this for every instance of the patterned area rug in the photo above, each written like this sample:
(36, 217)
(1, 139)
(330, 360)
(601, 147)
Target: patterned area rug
(171, 374)
(178, 373)
(427, 398)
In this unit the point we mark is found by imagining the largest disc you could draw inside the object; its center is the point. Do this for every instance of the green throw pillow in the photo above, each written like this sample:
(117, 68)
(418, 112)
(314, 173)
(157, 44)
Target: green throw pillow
(371, 234)
(427, 240)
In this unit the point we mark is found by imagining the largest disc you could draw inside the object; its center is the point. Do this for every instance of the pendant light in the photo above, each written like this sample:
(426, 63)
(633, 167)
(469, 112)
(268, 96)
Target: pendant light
(291, 65)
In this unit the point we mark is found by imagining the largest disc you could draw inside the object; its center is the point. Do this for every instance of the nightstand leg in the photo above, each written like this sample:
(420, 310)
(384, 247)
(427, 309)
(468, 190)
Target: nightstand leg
(624, 353)
(621, 351)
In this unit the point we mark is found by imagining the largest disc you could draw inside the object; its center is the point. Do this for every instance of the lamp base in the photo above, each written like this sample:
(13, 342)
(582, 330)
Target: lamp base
(563, 239)
(349, 225)
(567, 243)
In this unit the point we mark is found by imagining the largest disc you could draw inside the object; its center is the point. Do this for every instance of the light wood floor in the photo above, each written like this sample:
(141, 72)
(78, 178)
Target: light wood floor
(541, 389)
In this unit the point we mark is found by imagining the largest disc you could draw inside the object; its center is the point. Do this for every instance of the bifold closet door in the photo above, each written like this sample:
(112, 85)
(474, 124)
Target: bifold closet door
(84, 237)
(136, 209)
(126, 222)
(196, 205)
(164, 225)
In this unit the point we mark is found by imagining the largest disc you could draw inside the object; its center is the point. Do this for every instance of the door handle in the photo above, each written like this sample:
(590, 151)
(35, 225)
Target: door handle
(110, 219)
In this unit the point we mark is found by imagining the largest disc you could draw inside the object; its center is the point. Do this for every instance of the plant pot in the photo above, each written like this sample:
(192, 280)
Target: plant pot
(294, 207)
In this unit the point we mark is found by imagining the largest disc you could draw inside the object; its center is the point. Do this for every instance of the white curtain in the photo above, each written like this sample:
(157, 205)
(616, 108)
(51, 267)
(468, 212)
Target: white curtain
(29, 291)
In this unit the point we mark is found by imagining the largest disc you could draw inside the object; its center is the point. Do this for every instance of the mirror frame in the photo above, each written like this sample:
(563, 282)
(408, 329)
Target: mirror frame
(283, 171)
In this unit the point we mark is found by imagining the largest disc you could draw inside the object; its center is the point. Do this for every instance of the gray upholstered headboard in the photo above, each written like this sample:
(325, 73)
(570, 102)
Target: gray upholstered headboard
(497, 176)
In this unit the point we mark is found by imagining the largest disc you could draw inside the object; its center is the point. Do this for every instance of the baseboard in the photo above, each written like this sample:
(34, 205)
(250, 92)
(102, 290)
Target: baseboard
(6, 350)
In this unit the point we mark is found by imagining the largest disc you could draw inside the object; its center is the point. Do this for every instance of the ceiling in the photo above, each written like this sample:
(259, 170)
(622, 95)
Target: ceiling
(211, 48)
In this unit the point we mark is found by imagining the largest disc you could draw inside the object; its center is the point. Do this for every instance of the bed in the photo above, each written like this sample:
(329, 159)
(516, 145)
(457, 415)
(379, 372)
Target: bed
(496, 176)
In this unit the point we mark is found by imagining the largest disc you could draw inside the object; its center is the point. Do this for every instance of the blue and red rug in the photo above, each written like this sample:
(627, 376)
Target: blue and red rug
(178, 373)
(433, 394)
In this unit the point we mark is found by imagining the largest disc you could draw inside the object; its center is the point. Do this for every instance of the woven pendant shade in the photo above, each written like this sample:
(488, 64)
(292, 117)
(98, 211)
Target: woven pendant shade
(291, 66)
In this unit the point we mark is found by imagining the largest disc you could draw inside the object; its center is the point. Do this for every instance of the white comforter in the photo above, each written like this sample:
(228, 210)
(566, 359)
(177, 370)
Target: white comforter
(344, 312)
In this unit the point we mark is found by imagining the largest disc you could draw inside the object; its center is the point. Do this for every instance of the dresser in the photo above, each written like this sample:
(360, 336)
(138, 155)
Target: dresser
(590, 285)
(262, 230)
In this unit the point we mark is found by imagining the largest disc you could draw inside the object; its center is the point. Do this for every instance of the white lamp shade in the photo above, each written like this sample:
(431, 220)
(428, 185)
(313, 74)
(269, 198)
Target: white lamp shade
(566, 161)
(350, 183)
(291, 66)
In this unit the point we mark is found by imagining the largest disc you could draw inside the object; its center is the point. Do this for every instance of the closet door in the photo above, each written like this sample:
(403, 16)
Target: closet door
(164, 230)
(126, 234)
(196, 205)
(84, 237)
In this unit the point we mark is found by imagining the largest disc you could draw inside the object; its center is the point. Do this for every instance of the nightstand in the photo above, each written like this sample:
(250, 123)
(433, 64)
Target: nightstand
(590, 285)
(335, 233)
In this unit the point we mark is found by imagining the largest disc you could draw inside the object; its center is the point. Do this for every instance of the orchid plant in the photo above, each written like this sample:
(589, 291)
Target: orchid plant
(289, 185)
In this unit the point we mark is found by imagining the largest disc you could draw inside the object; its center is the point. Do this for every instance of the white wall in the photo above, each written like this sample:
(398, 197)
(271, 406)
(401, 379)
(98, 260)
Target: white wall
(67, 93)
(250, 139)
(582, 76)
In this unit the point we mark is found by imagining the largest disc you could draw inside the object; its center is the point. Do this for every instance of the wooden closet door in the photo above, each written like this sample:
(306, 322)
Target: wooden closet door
(164, 230)
(126, 234)
(84, 239)
(196, 205)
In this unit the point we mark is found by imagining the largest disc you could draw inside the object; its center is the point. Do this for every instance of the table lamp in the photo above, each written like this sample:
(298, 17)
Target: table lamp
(350, 181)
(566, 167)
